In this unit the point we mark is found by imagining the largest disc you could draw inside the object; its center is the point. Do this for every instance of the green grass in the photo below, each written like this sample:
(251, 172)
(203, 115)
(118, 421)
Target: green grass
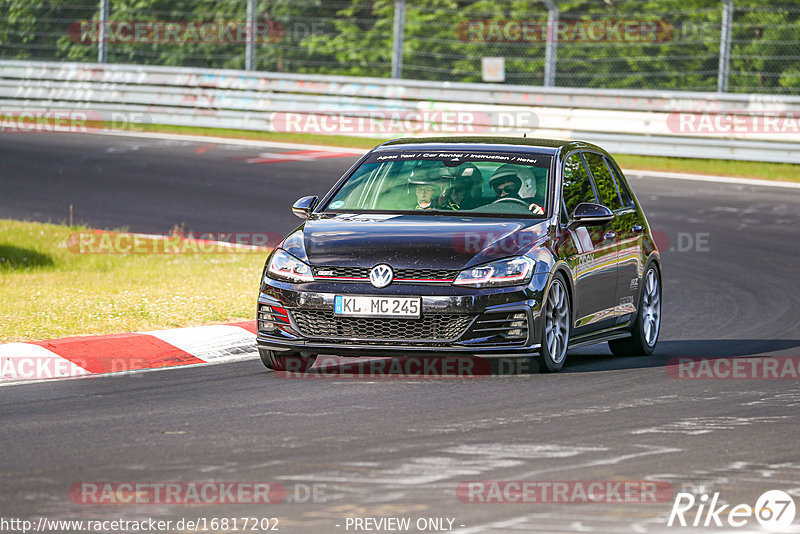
(743, 169)
(49, 291)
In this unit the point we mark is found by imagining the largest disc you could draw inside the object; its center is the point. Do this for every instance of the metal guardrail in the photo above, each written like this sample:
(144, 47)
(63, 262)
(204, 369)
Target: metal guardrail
(630, 122)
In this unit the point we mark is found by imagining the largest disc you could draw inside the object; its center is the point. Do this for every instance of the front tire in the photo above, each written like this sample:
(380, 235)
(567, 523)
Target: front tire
(294, 363)
(556, 315)
(647, 325)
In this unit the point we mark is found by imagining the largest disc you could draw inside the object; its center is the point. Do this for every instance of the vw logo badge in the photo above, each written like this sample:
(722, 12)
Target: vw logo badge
(381, 275)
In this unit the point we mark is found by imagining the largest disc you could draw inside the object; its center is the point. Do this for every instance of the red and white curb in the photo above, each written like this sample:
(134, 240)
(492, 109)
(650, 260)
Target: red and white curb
(118, 353)
(299, 155)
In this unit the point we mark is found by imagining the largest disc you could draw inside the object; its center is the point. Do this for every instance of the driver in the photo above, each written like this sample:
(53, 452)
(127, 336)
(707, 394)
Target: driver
(507, 183)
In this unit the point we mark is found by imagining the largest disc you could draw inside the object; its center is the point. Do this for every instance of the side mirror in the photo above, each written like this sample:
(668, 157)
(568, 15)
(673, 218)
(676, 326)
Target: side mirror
(590, 214)
(303, 206)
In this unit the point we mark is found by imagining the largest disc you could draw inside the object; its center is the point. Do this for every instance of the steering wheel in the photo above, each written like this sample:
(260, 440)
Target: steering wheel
(535, 208)
(511, 199)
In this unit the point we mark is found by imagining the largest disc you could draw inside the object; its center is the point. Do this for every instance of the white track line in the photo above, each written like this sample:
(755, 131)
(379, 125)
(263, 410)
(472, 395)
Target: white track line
(233, 141)
(357, 151)
(708, 178)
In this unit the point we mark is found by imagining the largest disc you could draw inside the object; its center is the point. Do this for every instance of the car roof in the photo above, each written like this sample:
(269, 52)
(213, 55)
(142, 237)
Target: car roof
(490, 143)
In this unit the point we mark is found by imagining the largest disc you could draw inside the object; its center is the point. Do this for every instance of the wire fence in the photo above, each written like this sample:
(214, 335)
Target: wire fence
(748, 46)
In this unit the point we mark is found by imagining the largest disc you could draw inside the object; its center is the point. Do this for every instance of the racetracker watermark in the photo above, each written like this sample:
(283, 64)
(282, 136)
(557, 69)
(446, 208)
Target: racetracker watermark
(390, 122)
(413, 367)
(102, 242)
(737, 368)
(39, 368)
(501, 245)
(150, 31)
(149, 525)
(579, 31)
(720, 122)
(682, 241)
(495, 243)
(564, 492)
(193, 493)
(43, 366)
(70, 121)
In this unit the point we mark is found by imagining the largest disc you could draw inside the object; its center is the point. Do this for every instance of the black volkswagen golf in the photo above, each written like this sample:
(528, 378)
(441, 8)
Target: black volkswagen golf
(465, 246)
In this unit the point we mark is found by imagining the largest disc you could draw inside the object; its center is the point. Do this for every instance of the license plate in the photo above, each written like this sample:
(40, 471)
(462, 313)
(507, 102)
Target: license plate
(376, 306)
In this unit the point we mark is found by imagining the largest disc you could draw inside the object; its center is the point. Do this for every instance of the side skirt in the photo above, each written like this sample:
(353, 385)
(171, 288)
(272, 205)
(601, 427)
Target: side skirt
(599, 337)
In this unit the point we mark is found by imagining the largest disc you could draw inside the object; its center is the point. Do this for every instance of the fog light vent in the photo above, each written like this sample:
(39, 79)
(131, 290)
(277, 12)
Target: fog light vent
(499, 328)
(272, 318)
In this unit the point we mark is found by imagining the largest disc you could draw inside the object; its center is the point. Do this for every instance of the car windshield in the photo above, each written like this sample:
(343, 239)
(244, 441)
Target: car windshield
(487, 183)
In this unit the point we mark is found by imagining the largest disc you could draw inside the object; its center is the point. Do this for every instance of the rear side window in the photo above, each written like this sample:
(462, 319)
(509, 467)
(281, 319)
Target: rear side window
(606, 186)
(577, 186)
(627, 200)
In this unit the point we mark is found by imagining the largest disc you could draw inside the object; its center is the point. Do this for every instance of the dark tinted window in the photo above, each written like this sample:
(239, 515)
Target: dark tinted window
(623, 190)
(606, 187)
(577, 187)
(446, 182)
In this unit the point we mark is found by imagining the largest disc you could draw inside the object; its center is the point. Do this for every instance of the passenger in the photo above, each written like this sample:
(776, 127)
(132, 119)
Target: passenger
(428, 186)
(465, 192)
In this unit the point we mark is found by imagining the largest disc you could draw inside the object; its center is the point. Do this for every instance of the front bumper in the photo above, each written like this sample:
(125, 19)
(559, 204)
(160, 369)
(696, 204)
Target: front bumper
(481, 310)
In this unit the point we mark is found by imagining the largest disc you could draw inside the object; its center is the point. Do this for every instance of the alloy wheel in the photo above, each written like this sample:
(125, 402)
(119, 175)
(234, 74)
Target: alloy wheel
(557, 321)
(651, 307)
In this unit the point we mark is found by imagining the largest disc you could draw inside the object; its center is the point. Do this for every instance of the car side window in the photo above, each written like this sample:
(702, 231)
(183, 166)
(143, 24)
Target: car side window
(577, 187)
(627, 200)
(606, 187)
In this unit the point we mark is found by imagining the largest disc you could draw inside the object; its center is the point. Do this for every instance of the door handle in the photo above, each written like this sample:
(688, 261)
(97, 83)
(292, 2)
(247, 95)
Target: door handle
(637, 228)
(611, 234)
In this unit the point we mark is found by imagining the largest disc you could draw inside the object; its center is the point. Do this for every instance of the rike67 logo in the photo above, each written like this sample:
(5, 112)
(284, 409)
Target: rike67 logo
(774, 510)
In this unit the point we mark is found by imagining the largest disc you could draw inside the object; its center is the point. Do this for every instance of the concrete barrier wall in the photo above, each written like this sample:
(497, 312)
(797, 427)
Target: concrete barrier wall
(705, 125)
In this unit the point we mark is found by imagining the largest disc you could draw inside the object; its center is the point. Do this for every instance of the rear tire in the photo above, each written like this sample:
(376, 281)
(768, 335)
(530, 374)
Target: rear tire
(294, 363)
(647, 325)
(557, 319)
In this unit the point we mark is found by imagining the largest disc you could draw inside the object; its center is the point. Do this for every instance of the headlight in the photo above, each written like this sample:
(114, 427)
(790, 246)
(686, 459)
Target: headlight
(284, 266)
(510, 272)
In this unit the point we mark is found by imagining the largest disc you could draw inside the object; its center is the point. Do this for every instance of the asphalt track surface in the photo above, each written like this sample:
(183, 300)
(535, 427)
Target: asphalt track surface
(399, 447)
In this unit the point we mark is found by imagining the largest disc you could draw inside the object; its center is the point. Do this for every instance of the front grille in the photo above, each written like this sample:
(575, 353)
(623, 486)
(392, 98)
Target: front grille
(426, 274)
(438, 327)
(400, 275)
(499, 327)
(341, 272)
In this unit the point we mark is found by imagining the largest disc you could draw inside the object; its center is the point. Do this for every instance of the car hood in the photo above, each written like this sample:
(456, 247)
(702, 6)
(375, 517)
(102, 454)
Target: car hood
(411, 241)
